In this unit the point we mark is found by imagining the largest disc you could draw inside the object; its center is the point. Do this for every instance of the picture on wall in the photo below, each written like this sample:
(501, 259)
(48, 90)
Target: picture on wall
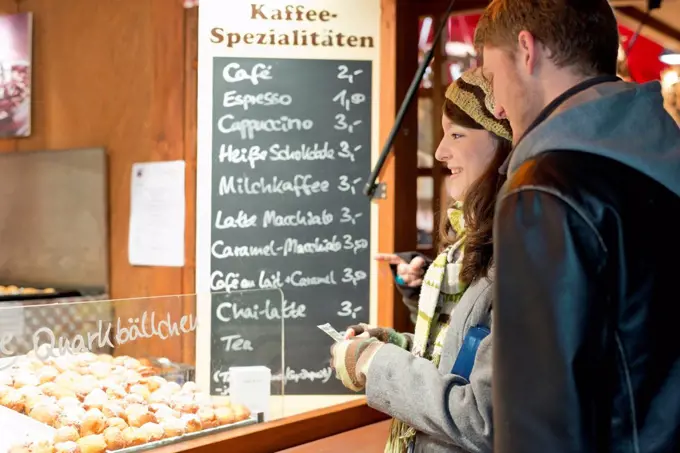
(15, 75)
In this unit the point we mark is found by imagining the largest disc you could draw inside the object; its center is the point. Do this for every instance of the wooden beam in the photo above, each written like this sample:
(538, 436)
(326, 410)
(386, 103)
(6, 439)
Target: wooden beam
(397, 213)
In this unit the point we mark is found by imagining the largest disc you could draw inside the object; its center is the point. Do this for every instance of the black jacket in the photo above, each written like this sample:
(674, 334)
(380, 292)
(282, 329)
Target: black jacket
(587, 305)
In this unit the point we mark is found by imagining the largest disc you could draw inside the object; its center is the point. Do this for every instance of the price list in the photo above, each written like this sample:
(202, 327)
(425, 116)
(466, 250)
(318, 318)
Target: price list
(290, 154)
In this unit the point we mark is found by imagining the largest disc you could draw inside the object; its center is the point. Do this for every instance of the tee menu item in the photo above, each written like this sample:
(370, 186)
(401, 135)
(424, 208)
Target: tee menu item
(291, 150)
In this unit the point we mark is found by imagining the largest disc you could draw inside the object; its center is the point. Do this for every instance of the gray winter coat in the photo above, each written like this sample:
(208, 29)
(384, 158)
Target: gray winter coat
(449, 414)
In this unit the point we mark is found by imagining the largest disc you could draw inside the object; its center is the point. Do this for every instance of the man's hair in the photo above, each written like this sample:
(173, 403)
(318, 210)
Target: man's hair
(579, 33)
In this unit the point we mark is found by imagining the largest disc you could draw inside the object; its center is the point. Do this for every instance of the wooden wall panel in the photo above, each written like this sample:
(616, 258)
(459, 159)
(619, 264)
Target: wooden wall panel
(111, 73)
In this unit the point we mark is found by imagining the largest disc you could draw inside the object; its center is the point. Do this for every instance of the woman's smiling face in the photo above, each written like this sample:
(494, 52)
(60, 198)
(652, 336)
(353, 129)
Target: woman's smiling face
(466, 152)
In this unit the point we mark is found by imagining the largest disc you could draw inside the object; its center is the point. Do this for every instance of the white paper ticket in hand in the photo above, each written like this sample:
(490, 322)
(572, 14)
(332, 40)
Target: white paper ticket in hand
(331, 332)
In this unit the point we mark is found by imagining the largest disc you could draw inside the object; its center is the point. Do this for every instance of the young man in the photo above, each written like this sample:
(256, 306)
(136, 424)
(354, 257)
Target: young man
(587, 238)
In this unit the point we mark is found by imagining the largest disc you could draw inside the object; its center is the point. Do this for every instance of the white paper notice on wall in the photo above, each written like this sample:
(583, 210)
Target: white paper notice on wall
(157, 206)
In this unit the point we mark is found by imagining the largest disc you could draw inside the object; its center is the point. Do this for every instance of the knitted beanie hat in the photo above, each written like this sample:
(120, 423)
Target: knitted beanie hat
(472, 94)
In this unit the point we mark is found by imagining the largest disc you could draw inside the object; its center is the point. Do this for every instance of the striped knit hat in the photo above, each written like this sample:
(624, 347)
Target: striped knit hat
(472, 94)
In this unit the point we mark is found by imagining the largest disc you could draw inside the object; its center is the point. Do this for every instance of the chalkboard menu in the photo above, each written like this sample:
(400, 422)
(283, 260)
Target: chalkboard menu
(290, 154)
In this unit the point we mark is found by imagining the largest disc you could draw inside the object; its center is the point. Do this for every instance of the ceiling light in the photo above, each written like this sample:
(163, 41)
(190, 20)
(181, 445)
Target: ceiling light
(670, 57)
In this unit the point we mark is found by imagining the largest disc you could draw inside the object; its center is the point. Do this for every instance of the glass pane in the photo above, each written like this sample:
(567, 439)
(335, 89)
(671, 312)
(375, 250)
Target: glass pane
(425, 213)
(133, 364)
(425, 140)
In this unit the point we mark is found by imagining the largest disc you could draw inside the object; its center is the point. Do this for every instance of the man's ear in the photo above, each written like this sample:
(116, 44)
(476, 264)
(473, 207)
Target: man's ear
(528, 51)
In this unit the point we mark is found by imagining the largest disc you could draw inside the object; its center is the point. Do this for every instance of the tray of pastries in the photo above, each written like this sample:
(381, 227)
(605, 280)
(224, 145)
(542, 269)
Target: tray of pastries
(99, 403)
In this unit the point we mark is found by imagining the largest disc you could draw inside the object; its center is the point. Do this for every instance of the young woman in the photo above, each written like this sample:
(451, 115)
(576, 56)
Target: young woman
(436, 383)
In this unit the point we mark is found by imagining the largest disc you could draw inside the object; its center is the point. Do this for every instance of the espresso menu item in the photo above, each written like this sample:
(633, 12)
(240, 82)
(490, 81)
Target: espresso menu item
(291, 152)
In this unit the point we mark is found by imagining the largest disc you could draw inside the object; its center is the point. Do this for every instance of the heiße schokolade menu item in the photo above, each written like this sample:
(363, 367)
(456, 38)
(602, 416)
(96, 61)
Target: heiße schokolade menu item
(291, 150)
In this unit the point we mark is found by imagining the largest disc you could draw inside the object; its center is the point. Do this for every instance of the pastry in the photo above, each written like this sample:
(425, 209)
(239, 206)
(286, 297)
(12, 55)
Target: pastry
(190, 387)
(116, 422)
(173, 427)
(13, 400)
(45, 413)
(68, 419)
(203, 399)
(184, 403)
(115, 392)
(113, 409)
(134, 436)
(6, 379)
(114, 438)
(163, 411)
(65, 434)
(159, 396)
(94, 443)
(66, 447)
(171, 387)
(94, 423)
(41, 446)
(47, 374)
(137, 415)
(141, 390)
(193, 423)
(95, 399)
(22, 448)
(155, 382)
(68, 401)
(133, 398)
(207, 416)
(224, 415)
(154, 431)
(26, 379)
(240, 412)
(31, 401)
(100, 369)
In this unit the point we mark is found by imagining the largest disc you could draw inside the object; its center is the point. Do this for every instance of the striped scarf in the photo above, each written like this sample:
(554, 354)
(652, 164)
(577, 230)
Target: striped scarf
(439, 295)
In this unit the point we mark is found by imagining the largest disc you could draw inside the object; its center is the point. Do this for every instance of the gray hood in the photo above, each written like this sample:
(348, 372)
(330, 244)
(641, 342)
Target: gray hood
(622, 121)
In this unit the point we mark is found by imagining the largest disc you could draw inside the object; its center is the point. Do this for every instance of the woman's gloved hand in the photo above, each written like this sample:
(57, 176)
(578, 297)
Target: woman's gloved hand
(384, 334)
(351, 359)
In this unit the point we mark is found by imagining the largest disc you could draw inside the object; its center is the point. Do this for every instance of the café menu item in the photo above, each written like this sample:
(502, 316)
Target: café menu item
(290, 154)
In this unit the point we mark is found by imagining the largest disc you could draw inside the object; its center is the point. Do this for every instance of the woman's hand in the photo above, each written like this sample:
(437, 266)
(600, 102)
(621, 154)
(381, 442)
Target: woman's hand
(351, 359)
(386, 335)
(408, 274)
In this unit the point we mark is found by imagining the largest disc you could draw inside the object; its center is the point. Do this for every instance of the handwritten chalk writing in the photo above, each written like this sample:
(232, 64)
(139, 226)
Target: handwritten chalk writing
(291, 375)
(353, 276)
(346, 100)
(272, 218)
(356, 245)
(301, 185)
(228, 311)
(349, 217)
(345, 74)
(247, 128)
(304, 153)
(278, 153)
(348, 310)
(347, 185)
(234, 155)
(47, 344)
(240, 220)
(236, 343)
(245, 101)
(347, 153)
(299, 281)
(234, 281)
(233, 73)
(220, 250)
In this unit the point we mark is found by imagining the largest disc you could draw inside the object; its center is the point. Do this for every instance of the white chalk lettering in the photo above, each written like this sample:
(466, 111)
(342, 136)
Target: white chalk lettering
(301, 185)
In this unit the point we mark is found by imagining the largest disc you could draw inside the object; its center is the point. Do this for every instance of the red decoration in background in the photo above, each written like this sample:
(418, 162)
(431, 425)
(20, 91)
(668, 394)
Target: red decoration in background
(643, 60)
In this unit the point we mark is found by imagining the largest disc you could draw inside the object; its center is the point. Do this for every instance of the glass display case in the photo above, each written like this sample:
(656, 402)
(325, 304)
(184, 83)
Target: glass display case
(136, 374)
